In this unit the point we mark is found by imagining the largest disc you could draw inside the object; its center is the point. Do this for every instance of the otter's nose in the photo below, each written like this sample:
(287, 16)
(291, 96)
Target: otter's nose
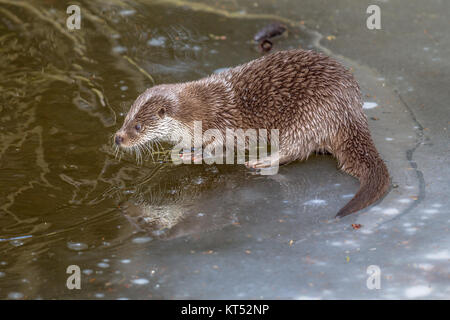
(118, 139)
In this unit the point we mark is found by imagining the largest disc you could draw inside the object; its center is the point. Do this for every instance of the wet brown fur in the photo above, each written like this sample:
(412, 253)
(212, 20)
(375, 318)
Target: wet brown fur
(313, 100)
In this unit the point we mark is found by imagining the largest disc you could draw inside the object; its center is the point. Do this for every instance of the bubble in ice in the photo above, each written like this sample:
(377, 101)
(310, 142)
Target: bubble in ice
(158, 233)
(103, 265)
(391, 211)
(140, 281)
(142, 240)
(417, 291)
(15, 295)
(77, 246)
(16, 243)
(198, 180)
(315, 202)
(439, 255)
(128, 12)
(369, 105)
(220, 70)
(88, 271)
(119, 49)
(157, 42)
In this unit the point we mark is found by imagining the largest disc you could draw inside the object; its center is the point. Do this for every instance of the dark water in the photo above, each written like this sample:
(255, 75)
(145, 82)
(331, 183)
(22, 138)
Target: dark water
(65, 199)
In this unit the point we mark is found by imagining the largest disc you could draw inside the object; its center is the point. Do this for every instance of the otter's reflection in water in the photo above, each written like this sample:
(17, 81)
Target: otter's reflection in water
(191, 200)
(183, 200)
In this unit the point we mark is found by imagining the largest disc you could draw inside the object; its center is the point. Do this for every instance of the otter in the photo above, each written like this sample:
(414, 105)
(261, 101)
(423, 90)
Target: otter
(312, 100)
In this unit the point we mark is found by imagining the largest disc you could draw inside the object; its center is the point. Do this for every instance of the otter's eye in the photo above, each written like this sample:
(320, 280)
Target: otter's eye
(161, 112)
(138, 127)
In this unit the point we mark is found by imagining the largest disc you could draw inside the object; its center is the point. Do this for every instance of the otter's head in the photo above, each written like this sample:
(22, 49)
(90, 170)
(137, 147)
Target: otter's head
(150, 118)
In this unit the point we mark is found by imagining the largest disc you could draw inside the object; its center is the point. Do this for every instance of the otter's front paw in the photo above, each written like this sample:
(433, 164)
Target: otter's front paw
(257, 164)
(191, 157)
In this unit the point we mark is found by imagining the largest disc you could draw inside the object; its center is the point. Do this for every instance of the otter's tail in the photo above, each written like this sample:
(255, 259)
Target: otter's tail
(358, 156)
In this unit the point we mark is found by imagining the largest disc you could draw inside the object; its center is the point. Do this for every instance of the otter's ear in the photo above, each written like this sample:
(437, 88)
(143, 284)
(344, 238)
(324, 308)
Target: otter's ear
(162, 113)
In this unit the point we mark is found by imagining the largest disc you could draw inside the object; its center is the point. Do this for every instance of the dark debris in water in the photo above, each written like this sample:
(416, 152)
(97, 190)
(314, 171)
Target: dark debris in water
(269, 31)
(265, 45)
